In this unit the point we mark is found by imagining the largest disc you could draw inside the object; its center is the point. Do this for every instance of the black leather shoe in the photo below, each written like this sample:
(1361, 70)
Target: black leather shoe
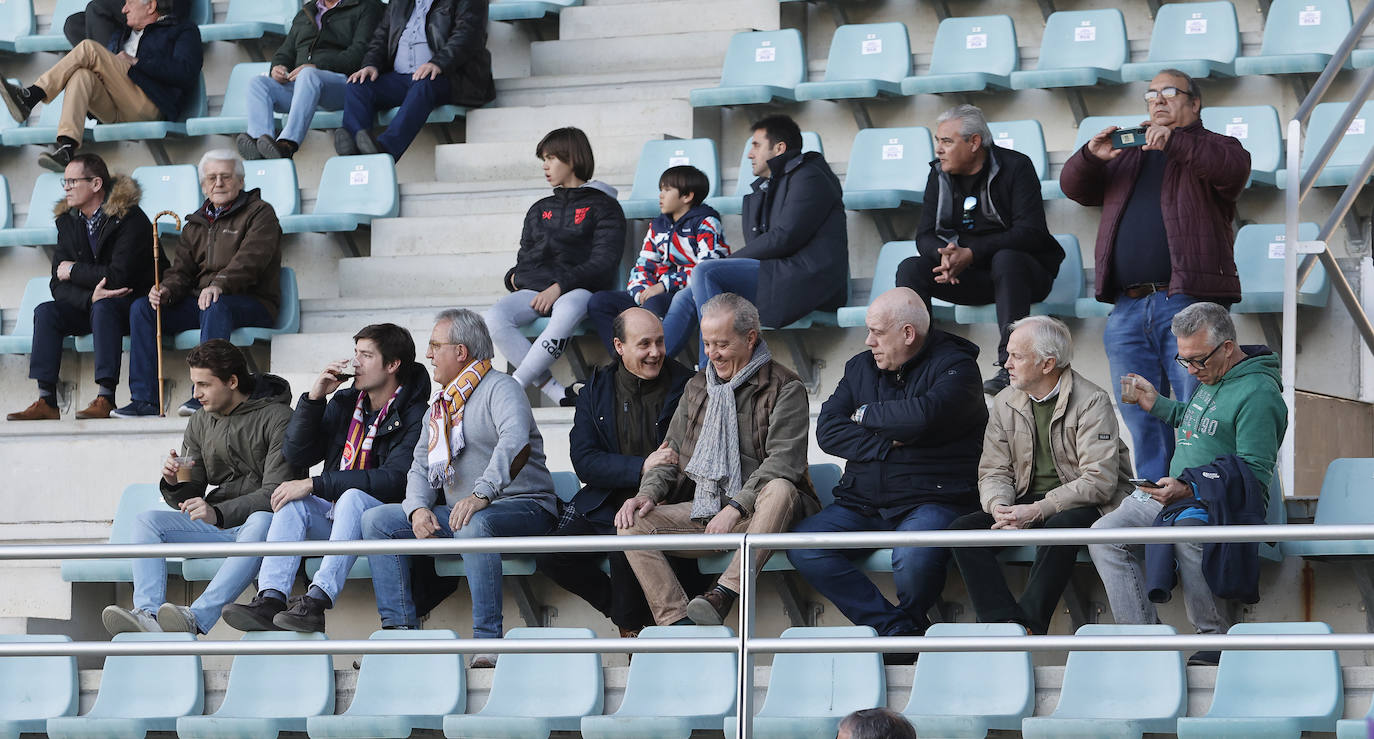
(256, 616)
(343, 143)
(306, 614)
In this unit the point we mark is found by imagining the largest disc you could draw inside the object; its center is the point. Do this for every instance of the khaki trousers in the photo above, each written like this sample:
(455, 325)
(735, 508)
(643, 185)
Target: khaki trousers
(776, 509)
(96, 82)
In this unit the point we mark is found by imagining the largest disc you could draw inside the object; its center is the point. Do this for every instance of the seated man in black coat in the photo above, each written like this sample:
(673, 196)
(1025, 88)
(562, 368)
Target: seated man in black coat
(618, 428)
(908, 417)
(104, 18)
(982, 236)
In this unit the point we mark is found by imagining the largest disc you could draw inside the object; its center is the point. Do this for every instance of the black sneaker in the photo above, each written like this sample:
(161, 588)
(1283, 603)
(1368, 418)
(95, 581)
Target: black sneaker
(57, 159)
(15, 99)
(344, 145)
(306, 614)
(569, 399)
(367, 143)
(1205, 658)
(247, 147)
(998, 382)
(256, 616)
(135, 409)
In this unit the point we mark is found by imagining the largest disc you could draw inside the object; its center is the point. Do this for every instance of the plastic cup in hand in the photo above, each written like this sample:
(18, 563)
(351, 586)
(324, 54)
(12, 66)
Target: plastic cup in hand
(185, 466)
(1129, 392)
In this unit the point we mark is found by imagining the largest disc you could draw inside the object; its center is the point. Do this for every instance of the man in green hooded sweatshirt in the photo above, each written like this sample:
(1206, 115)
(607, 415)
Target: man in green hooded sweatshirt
(1237, 409)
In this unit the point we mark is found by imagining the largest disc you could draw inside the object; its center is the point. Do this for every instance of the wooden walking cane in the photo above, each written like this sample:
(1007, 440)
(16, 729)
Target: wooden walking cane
(157, 285)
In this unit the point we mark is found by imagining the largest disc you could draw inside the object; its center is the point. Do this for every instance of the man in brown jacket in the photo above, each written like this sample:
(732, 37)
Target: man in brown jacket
(226, 274)
(1165, 241)
(1052, 457)
(740, 437)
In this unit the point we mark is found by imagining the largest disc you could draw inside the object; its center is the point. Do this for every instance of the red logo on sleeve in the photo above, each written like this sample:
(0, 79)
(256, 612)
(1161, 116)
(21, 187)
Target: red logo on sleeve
(580, 214)
(547, 215)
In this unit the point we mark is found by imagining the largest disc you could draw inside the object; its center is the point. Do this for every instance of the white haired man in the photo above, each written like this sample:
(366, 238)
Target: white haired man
(226, 274)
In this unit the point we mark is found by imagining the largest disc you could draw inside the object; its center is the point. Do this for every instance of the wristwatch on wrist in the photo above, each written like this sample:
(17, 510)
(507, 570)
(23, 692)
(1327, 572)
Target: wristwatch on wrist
(739, 508)
(481, 496)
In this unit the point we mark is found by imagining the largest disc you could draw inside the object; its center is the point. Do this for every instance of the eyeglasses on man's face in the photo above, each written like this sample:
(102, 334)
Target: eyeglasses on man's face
(1197, 364)
(219, 177)
(435, 346)
(1169, 93)
(69, 183)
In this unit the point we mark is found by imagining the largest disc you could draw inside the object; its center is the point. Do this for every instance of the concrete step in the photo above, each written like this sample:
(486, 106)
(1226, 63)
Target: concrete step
(527, 125)
(504, 161)
(616, 86)
(454, 278)
(704, 49)
(403, 237)
(682, 16)
(468, 198)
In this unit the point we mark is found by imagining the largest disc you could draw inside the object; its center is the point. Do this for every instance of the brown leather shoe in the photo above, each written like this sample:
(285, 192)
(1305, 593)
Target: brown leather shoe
(99, 408)
(39, 411)
(711, 607)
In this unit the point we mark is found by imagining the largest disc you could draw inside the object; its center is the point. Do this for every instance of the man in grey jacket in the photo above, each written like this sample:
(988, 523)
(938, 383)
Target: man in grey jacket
(479, 471)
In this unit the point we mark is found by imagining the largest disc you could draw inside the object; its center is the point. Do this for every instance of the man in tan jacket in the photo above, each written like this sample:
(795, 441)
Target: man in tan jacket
(1053, 457)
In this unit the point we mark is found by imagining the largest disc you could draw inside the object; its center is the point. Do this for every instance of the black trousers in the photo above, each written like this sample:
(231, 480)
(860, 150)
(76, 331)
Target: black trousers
(1049, 574)
(1013, 280)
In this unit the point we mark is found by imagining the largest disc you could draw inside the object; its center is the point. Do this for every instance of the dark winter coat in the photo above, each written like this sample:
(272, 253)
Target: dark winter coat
(124, 241)
(338, 44)
(169, 62)
(457, 35)
(573, 237)
(240, 253)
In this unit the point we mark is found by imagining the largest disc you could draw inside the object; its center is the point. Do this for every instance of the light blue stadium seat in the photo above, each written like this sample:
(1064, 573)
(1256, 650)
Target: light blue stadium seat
(969, 54)
(966, 694)
(866, 61)
(233, 115)
(1088, 128)
(565, 485)
(1116, 694)
(733, 204)
(201, 12)
(657, 156)
(139, 693)
(1080, 48)
(888, 167)
(667, 696)
(824, 477)
(1299, 36)
(1257, 128)
(7, 121)
(174, 187)
(6, 211)
(885, 278)
(250, 19)
(808, 694)
(1272, 694)
(760, 66)
(20, 340)
(1028, 138)
(288, 319)
(154, 130)
(527, 10)
(35, 689)
(353, 190)
(137, 498)
(44, 129)
(268, 693)
(276, 178)
(1201, 39)
(53, 40)
(39, 228)
(1063, 297)
(441, 114)
(1261, 273)
(1344, 500)
(16, 22)
(1349, 154)
(399, 693)
(535, 694)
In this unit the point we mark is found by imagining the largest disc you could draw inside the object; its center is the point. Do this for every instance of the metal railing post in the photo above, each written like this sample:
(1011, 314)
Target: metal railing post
(1288, 367)
(745, 724)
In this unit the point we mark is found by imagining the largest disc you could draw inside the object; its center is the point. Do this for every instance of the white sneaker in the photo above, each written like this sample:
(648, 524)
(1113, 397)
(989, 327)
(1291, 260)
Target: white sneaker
(174, 618)
(120, 620)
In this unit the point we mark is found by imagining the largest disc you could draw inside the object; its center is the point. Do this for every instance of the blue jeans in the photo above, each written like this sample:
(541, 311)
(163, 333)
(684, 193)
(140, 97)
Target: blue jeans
(107, 319)
(1139, 340)
(678, 311)
(918, 572)
(216, 322)
(313, 89)
(310, 518)
(391, 572)
(738, 275)
(169, 526)
(417, 100)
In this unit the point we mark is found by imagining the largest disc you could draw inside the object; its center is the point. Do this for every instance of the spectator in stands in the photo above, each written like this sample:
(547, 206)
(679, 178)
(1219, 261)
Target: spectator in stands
(1236, 410)
(424, 53)
(687, 232)
(310, 70)
(621, 419)
(908, 418)
(103, 259)
(740, 436)
(569, 248)
(236, 448)
(226, 275)
(102, 19)
(875, 723)
(982, 237)
(478, 472)
(366, 437)
(1053, 457)
(796, 250)
(146, 72)
(1165, 241)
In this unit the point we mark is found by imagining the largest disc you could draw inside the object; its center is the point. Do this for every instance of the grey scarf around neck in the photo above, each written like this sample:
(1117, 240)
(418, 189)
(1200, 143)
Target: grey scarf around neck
(715, 466)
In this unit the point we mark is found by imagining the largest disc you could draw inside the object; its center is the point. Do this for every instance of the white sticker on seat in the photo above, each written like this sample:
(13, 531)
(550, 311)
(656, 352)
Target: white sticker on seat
(1195, 25)
(1085, 32)
(1356, 128)
(976, 41)
(1310, 16)
(357, 176)
(1238, 130)
(1004, 141)
(679, 161)
(893, 151)
(871, 45)
(765, 53)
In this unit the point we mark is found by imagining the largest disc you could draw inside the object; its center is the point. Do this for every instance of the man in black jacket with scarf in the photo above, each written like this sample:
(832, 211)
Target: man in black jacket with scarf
(908, 416)
(982, 237)
(103, 261)
(622, 415)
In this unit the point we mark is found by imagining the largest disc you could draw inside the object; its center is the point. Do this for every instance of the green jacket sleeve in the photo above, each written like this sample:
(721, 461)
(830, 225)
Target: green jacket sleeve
(789, 431)
(275, 471)
(1169, 411)
(1260, 424)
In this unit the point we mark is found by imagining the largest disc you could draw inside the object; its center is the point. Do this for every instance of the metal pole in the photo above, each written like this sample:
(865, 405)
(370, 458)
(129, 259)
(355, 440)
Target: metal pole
(1288, 367)
(745, 721)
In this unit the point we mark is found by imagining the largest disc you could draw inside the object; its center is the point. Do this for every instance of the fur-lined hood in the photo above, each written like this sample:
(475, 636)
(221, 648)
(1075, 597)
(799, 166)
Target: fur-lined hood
(124, 195)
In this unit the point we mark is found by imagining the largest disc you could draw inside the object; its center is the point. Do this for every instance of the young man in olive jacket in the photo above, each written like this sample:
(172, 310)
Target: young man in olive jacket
(234, 451)
(309, 71)
(102, 261)
(366, 436)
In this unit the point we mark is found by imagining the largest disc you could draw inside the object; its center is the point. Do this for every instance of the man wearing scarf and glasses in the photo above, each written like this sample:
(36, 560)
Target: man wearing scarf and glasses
(740, 433)
(478, 472)
(982, 237)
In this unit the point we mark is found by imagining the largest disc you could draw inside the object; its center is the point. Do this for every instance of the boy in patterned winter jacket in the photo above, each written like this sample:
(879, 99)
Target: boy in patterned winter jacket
(686, 232)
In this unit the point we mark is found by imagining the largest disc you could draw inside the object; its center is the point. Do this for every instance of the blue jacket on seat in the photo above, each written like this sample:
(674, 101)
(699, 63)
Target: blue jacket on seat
(169, 62)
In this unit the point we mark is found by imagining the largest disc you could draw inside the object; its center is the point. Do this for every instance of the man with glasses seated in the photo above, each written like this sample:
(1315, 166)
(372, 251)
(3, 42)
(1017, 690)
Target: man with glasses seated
(226, 275)
(1168, 195)
(982, 237)
(1237, 410)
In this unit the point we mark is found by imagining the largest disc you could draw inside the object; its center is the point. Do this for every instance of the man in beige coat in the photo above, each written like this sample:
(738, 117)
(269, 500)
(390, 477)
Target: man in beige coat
(1053, 457)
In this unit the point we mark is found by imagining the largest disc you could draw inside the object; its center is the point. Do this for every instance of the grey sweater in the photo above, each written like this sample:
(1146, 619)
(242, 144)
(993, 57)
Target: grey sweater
(497, 425)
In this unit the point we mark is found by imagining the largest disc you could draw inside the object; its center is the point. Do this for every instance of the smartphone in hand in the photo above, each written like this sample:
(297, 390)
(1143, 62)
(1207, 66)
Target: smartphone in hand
(1128, 138)
(1141, 482)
